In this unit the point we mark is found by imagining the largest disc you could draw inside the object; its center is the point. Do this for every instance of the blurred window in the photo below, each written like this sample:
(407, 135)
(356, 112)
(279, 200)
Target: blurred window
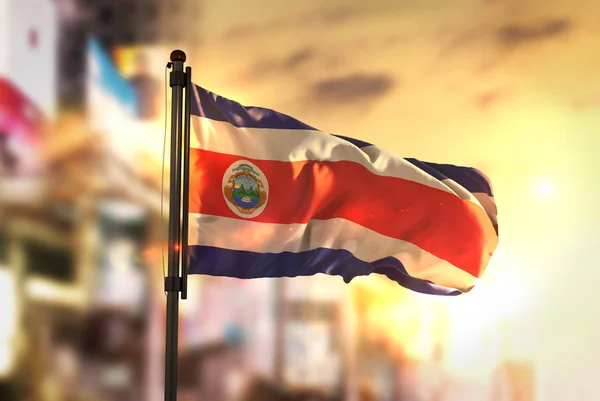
(51, 263)
(106, 14)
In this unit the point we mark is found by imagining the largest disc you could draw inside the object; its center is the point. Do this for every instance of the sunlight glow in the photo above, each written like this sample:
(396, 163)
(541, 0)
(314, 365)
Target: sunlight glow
(545, 188)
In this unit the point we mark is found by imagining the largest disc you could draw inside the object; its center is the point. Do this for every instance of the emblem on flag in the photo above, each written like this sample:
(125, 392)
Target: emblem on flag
(245, 189)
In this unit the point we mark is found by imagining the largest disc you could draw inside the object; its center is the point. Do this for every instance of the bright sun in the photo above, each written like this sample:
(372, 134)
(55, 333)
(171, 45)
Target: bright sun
(545, 188)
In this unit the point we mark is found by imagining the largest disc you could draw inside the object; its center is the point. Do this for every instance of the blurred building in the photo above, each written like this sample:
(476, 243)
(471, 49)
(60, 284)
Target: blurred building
(378, 365)
(28, 42)
(293, 333)
(71, 54)
(78, 205)
(514, 381)
(142, 22)
(123, 22)
(118, 24)
(219, 324)
(111, 23)
(316, 317)
(82, 289)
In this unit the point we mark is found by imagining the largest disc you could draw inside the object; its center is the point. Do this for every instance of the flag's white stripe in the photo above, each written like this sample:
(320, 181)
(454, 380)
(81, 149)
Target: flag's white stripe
(363, 243)
(301, 145)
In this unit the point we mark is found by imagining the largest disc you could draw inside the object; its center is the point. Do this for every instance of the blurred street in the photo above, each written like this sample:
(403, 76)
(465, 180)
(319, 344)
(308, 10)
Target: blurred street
(510, 87)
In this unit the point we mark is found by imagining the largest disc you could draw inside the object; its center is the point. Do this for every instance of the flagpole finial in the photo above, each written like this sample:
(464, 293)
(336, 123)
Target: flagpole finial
(178, 55)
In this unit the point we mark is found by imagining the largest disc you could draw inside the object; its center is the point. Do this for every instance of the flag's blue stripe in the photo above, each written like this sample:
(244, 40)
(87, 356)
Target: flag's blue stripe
(218, 108)
(469, 178)
(247, 265)
(356, 142)
(426, 167)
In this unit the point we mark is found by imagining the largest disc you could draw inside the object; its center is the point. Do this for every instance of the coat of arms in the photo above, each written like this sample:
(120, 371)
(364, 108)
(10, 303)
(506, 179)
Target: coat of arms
(245, 189)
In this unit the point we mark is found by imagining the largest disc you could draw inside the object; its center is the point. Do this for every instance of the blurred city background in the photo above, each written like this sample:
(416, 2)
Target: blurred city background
(509, 86)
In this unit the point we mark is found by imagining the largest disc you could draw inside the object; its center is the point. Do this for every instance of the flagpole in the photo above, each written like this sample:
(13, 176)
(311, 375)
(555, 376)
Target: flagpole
(173, 281)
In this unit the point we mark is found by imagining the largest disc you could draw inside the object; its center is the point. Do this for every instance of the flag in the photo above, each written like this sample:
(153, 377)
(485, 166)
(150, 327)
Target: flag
(271, 196)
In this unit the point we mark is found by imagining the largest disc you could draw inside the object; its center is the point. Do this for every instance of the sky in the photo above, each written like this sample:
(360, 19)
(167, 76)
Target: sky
(510, 87)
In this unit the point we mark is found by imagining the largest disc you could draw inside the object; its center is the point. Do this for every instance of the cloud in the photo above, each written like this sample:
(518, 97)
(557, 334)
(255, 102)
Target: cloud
(248, 31)
(328, 17)
(513, 35)
(507, 35)
(339, 15)
(462, 40)
(298, 58)
(351, 89)
(304, 60)
(240, 31)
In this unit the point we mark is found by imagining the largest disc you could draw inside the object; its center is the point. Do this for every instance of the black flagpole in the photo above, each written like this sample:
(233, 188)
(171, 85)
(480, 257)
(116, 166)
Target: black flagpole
(174, 284)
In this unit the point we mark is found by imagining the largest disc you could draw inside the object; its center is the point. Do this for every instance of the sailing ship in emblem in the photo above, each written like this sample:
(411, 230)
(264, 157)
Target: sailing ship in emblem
(244, 189)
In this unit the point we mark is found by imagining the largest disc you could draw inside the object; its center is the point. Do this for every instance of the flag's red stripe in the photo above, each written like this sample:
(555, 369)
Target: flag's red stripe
(434, 220)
